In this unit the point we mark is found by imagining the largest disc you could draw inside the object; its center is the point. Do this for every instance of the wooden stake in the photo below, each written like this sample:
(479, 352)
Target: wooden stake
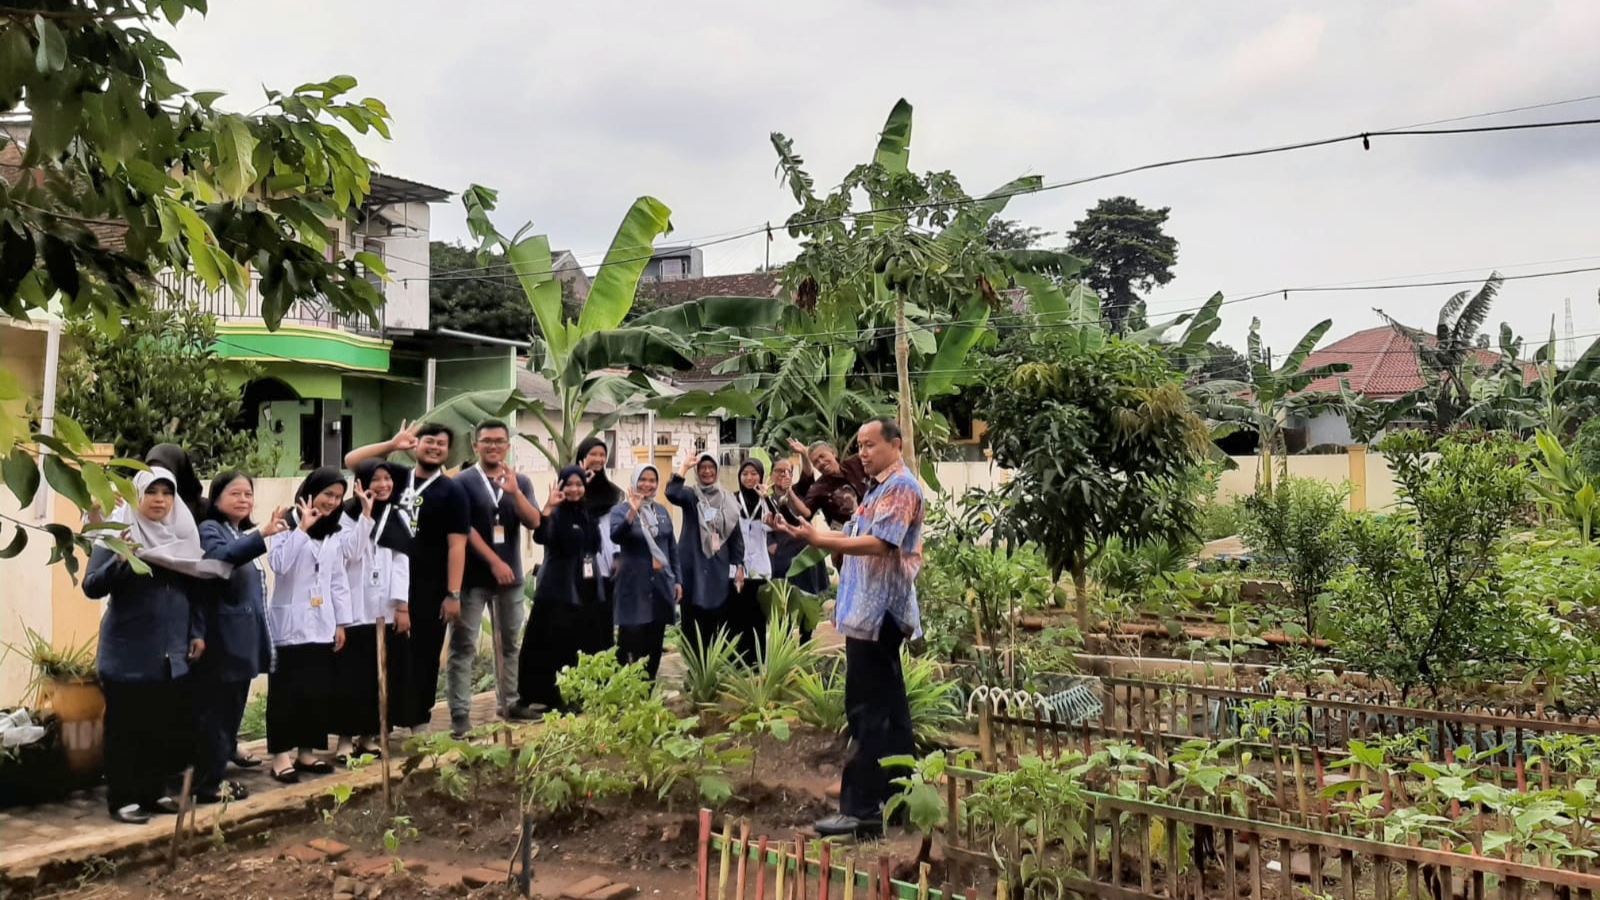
(727, 851)
(922, 881)
(185, 803)
(825, 860)
(799, 865)
(761, 869)
(850, 877)
(783, 869)
(884, 877)
(705, 853)
(383, 710)
(744, 856)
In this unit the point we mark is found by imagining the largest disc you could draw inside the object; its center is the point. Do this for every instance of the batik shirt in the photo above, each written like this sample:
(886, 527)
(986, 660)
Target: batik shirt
(871, 587)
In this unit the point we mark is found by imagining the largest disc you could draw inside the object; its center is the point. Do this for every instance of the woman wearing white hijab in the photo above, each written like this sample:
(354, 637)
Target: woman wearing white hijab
(149, 635)
(711, 550)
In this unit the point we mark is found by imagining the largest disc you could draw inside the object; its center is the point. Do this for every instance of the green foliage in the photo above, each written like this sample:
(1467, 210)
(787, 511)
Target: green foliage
(932, 697)
(1041, 802)
(1099, 441)
(920, 795)
(253, 727)
(770, 683)
(1552, 590)
(1566, 491)
(1422, 601)
(481, 299)
(1298, 530)
(53, 664)
(819, 698)
(1448, 357)
(707, 668)
(1215, 521)
(1128, 254)
(158, 380)
(1585, 447)
(575, 352)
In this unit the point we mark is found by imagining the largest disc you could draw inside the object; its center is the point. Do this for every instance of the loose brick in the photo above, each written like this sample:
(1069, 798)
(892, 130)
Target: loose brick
(304, 853)
(613, 892)
(330, 849)
(580, 890)
(482, 876)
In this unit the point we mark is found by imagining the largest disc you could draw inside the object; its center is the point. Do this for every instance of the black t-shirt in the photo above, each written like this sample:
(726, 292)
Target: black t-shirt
(489, 506)
(441, 512)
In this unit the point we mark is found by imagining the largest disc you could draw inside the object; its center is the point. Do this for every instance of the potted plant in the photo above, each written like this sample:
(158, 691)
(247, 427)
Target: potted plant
(65, 682)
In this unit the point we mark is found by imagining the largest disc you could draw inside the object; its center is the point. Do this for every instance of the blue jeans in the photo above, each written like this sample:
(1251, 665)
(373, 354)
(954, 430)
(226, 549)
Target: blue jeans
(505, 614)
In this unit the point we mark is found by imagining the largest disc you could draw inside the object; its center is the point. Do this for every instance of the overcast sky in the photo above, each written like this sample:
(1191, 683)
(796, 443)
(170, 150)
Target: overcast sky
(573, 110)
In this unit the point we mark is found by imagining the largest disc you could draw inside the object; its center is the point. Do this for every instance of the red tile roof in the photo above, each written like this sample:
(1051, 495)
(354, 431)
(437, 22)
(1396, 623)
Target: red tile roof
(111, 234)
(683, 290)
(1383, 364)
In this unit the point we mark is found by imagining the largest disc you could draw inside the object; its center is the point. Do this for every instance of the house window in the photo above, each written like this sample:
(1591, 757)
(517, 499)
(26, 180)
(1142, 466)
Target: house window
(700, 443)
(310, 440)
(347, 427)
(663, 439)
(728, 432)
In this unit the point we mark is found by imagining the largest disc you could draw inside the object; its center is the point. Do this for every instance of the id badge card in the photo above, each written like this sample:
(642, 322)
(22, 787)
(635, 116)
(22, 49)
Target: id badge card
(709, 514)
(375, 578)
(499, 534)
(316, 601)
(733, 571)
(655, 565)
(588, 567)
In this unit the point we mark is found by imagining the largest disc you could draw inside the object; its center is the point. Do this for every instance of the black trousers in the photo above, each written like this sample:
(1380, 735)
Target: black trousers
(700, 626)
(878, 716)
(299, 692)
(422, 688)
(636, 642)
(218, 711)
(551, 642)
(148, 731)
(746, 621)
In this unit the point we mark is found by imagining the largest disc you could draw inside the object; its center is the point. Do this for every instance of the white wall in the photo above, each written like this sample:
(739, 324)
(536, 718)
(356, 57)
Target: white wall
(405, 252)
(1328, 428)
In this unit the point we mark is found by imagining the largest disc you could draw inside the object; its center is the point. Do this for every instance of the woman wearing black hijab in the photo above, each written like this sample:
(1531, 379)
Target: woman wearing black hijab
(746, 616)
(600, 496)
(176, 460)
(568, 591)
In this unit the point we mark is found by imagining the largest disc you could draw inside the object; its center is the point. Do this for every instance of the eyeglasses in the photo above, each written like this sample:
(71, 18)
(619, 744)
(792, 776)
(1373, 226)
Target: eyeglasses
(493, 442)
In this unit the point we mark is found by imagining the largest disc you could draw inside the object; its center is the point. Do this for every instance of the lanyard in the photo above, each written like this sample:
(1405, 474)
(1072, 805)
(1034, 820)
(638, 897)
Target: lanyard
(318, 547)
(383, 519)
(749, 514)
(413, 495)
(495, 494)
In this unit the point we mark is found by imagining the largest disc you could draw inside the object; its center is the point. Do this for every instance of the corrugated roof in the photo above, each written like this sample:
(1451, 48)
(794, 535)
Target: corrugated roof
(537, 387)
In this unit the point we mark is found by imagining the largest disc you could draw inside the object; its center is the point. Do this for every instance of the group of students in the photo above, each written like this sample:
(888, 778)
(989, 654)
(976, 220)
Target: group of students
(412, 558)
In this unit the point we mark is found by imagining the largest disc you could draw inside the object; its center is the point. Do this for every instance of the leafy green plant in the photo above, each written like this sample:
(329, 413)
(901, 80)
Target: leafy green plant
(770, 683)
(1422, 602)
(1298, 529)
(1565, 490)
(819, 698)
(253, 727)
(708, 669)
(932, 698)
(1040, 801)
(53, 664)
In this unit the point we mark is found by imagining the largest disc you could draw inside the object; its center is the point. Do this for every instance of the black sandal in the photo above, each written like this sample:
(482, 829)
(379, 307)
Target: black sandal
(286, 776)
(315, 767)
(246, 761)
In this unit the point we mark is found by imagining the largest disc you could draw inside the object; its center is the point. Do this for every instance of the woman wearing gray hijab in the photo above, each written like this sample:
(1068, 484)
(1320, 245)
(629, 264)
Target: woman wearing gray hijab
(648, 585)
(710, 550)
(149, 636)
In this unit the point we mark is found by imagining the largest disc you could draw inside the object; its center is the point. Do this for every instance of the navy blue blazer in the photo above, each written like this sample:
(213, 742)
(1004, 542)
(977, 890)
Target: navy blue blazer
(149, 620)
(644, 595)
(238, 647)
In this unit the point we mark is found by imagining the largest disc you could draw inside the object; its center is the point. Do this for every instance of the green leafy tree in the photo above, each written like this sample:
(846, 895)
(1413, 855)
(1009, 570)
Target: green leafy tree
(185, 185)
(158, 379)
(1422, 602)
(481, 299)
(1010, 234)
(599, 353)
(912, 277)
(1098, 439)
(1298, 529)
(1128, 254)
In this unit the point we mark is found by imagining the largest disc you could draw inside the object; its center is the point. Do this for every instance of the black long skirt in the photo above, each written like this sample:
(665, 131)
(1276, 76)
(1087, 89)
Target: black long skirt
(355, 683)
(745, 620)
(557, 631)
(298, 698)
(597, 631)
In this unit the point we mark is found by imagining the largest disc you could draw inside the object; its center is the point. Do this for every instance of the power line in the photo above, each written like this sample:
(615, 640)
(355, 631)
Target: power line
(1365, 137)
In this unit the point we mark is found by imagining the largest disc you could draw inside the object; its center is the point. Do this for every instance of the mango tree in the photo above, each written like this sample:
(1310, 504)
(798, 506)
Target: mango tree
(594, 356)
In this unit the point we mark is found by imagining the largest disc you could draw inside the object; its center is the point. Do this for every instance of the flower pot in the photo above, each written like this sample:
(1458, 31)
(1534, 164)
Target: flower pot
(81, 707)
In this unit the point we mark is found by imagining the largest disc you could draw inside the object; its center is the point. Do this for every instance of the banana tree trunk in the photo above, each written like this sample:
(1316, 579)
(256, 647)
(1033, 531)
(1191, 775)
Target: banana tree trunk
(902, 369)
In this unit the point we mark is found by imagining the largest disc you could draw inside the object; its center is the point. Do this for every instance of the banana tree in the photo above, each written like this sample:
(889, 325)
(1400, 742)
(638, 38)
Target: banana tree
(1448, 358)
(595, 357)
(1525, 395)
(1266, 401)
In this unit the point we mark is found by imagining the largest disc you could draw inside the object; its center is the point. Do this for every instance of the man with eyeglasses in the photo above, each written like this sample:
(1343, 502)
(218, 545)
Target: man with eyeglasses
(498, 499)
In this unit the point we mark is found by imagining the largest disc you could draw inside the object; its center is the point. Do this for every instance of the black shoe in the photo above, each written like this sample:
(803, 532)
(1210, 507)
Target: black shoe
(286, 776)
(315, 767)
(839, 825)
(162, 806)
(229, 791)
(527, 712)
(246, 761)
(130, 815)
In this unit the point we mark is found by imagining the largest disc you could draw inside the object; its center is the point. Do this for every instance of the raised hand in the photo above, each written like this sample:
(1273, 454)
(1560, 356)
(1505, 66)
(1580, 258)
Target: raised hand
(636, 500)
(507, 481)
(556, 496)
(309, 515)
(796, 446)
(278, 524)
(367, 499)
(406, 438)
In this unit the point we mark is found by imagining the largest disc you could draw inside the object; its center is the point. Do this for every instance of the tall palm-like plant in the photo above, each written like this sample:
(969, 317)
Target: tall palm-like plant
(1448, 358)
(1266, 401)
(595, 356)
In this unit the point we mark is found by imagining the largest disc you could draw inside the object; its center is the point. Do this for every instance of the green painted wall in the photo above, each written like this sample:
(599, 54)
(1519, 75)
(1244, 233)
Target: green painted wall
(318, 345)
(363, 402)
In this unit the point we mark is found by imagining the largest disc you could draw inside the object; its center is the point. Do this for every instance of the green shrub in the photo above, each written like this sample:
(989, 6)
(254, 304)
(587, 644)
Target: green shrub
(1298, 530)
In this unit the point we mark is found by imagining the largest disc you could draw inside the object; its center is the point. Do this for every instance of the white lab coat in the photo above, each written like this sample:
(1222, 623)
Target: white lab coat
(311, 597)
